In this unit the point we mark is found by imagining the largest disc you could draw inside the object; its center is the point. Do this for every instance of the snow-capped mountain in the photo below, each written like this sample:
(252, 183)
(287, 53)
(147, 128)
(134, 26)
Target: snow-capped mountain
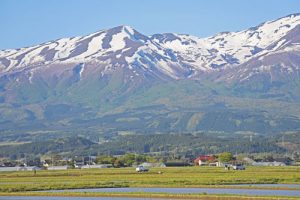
(229, 48)
(121, 80)
(173, 55)
(117, 47)
(279, 60)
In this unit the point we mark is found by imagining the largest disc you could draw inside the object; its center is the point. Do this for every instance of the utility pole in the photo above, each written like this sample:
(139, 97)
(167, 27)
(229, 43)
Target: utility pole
(52, 161)
(90, 160)
(251, 139)
(25, 160)
(283, 146)
(135, 162)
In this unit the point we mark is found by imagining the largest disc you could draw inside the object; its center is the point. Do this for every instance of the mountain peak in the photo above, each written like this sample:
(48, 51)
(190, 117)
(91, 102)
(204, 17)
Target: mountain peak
(121, 28)
(122, 32)
(128, 28)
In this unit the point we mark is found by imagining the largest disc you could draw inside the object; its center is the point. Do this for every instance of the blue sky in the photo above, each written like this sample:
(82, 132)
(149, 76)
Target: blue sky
(29, 22)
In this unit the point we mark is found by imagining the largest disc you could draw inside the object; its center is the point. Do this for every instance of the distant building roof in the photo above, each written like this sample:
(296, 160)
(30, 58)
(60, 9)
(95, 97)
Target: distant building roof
(205, 158)
(57, 167)
(96, 166)
(145, 164)
(268, 164)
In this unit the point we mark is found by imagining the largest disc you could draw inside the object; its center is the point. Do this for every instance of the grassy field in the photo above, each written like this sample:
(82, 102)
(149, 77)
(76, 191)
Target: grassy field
(157, 177)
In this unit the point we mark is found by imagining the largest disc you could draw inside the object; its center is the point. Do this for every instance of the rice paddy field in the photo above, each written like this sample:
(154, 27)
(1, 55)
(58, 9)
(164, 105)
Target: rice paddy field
(12, 183)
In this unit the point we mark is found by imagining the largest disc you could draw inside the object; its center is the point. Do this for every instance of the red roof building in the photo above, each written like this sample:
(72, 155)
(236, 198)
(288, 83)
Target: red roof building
(204, 160)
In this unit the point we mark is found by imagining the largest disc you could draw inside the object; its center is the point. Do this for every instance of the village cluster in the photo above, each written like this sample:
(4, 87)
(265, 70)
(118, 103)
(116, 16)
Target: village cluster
(141, 163)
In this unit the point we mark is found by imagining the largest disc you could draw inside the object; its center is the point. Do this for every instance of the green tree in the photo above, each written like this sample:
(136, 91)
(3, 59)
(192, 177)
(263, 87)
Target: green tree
(71, 164)
(225, 157)
(118, 163)
(129, 159)
(105, 160)
(140, 159)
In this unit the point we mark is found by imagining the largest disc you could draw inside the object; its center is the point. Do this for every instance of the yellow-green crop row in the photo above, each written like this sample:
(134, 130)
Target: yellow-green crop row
(156, 177)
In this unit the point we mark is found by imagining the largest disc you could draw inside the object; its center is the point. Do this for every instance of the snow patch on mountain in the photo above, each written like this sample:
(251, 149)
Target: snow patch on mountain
(118, 42)
(81, 70)
(93, 46)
